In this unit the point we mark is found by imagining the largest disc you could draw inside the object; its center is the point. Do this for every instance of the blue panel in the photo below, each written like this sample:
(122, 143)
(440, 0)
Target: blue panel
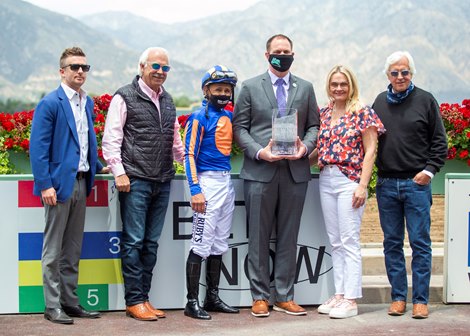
(30, 246)
(101, 245)
(96, 245)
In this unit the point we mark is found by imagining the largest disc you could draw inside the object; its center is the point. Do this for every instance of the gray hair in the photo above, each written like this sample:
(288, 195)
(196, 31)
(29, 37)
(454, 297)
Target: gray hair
(145, 56)
(396, 56)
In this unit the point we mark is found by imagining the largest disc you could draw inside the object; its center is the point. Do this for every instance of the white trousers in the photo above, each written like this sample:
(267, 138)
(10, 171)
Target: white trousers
(343, 225)
(212, 228)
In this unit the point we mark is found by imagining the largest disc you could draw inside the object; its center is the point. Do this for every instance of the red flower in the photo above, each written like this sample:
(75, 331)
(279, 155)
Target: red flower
(25, 144)
(8, 126)
(182, 119)
(451, 153)
(8, 143)
(100, 118)
(229, 107)
(456, 120)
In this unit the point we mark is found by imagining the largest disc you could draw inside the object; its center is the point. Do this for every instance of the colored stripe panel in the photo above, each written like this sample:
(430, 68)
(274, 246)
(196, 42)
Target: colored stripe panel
(96, 245)
(98, 196)
(102, 271)
(92, 297)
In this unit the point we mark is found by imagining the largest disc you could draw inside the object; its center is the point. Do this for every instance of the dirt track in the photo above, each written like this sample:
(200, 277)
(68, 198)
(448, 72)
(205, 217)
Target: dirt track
(372, 233)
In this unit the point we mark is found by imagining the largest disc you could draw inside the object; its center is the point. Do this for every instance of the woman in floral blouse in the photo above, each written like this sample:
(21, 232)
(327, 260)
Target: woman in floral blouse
(346, 151)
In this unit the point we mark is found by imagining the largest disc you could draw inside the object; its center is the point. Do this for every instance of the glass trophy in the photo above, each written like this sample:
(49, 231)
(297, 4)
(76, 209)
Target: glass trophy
(284, 131)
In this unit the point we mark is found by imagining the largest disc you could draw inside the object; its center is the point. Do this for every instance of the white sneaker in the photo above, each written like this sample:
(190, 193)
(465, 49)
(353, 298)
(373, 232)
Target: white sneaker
(326, 307)
(343, 309)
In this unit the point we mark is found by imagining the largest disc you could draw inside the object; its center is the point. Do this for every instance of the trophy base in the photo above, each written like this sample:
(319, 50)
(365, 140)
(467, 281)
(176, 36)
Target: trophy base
(284, 148)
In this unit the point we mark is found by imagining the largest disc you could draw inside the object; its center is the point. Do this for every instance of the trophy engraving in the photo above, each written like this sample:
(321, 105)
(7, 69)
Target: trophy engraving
(284, 131)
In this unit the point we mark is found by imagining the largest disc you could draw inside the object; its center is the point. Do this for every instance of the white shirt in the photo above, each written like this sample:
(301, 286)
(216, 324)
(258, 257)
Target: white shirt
(77, 102)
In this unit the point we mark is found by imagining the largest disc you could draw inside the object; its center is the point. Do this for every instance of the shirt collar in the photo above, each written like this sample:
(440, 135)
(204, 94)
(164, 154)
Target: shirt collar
(274, 77)
(69, 92)
(148, 91)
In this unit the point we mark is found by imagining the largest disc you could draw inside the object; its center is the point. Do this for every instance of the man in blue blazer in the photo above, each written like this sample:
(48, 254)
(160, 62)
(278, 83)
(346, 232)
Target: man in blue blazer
(274, 186)
(64, 160)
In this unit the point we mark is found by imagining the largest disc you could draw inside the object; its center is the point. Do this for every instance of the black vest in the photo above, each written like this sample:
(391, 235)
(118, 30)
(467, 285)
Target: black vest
(147, 146)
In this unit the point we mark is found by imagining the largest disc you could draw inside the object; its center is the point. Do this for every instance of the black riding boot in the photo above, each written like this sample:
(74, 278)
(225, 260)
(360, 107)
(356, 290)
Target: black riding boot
(212, 302)
(193, 272)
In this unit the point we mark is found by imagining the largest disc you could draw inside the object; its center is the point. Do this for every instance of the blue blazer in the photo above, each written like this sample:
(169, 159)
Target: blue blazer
(54, 148)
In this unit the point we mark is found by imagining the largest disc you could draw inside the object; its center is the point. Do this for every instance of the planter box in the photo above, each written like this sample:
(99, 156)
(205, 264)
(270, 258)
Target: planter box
(451, 166)
(20, 162)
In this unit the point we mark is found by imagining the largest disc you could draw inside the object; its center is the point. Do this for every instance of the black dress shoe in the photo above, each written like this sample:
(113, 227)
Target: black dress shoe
(57, 315)
(79, 311)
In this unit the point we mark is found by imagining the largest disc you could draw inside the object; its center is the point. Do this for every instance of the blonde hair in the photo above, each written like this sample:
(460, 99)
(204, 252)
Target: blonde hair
(353, 104)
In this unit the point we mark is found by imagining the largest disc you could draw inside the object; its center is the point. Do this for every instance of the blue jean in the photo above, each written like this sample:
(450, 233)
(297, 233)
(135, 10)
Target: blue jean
(143, 211)
(403, 202)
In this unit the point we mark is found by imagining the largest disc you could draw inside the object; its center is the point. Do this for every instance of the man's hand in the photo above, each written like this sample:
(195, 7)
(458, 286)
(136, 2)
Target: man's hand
(49, 196)
(198, 203)
(122, 183)
(422, 179)
(301, 151)
(105, 170)
(266, 154)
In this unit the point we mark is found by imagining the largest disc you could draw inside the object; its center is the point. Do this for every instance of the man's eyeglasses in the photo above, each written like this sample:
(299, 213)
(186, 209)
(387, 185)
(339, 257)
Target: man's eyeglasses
(404, 73)
(223, 74)
(75, 67)
(156, 66)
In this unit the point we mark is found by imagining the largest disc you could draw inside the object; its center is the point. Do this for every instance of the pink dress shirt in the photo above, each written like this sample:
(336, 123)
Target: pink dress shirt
(113, 131)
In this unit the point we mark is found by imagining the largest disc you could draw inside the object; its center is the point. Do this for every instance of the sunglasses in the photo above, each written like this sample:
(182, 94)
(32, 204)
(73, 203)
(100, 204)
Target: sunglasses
(223, 74)
(156, 66)
(395, 73)
(75, 67)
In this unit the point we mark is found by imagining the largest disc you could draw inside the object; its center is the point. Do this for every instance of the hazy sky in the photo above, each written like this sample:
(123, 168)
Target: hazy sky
(168, 11)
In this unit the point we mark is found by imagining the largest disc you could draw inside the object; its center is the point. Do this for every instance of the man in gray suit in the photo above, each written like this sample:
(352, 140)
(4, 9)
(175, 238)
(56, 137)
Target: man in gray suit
(274, 185)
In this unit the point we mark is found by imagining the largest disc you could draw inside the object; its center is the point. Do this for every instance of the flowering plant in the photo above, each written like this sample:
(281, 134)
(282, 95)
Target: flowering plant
(100, 112)
(457, 124)
(15, 130)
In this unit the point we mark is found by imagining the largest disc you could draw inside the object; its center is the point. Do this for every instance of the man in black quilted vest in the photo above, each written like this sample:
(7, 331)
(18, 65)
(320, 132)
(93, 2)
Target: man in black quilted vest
(140, 142)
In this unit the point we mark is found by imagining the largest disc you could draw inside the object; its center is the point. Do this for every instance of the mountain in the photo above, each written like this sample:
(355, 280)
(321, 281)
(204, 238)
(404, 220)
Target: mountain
(357, 33)
(33, 39)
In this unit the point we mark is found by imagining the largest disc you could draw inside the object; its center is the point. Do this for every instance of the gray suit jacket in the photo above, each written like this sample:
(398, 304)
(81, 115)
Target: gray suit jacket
(252, 125)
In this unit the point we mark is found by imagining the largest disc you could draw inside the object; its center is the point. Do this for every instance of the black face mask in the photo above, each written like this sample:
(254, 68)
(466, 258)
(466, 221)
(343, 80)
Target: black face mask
(219, 101)
(281, 63)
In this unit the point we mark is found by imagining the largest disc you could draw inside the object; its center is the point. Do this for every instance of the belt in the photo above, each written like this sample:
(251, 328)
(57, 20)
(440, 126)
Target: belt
(80, 175)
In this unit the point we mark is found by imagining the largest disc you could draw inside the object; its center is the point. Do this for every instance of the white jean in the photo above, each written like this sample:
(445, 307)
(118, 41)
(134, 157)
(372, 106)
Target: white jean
(211, 229)
(343, 225)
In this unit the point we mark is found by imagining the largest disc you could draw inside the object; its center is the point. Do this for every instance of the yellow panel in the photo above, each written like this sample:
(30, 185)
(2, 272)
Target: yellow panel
(91, 271)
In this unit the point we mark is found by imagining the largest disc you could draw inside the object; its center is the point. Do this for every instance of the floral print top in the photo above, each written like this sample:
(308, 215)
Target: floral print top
(341, 144)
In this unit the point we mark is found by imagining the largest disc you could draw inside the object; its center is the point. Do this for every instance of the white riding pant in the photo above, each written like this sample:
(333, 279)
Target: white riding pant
(212, 228)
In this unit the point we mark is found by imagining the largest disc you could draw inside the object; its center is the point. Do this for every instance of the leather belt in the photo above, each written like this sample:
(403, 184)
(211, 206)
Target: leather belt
(80, 175)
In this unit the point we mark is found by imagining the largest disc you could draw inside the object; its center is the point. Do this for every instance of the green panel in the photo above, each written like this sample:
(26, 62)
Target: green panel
(450, 167)
(31, 299)
(93, 297)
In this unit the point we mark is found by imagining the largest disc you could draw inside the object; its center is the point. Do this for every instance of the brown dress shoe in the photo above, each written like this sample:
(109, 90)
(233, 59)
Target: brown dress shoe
(157, 312)
(289, 307)
(420, 311)
(397, 308)
(260, 308)
(140, 312)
